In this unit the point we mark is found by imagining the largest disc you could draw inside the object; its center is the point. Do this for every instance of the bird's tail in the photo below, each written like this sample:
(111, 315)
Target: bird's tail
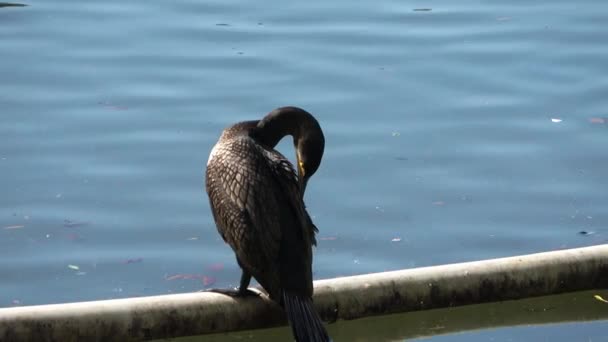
(305, 322)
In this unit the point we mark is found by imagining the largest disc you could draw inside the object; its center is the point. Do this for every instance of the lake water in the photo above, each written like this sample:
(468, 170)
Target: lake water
(456, 131)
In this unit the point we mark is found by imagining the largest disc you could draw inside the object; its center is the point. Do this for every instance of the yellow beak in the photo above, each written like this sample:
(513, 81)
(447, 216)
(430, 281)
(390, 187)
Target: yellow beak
(301, 176)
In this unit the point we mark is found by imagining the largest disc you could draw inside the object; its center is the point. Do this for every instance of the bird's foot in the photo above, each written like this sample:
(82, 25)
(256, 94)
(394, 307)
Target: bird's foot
(236, 292)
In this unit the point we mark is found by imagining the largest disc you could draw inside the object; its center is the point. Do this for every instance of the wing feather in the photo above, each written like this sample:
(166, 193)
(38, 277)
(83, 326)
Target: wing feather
(256, 203)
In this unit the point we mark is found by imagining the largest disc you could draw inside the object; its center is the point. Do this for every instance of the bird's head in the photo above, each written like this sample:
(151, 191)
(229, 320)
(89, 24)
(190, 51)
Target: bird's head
(309, 146)
(308, 138)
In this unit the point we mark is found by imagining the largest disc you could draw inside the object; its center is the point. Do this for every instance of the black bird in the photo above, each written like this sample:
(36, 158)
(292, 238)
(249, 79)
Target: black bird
(257, 202)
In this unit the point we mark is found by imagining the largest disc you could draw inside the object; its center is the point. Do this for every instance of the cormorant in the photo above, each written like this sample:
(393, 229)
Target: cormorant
(257, 202)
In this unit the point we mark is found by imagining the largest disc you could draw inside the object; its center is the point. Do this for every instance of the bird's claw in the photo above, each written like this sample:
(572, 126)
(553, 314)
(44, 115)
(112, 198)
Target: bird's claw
(236, 292)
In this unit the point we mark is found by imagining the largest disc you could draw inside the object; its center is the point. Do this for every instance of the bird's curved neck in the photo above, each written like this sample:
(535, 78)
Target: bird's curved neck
(284, 121)
(308, 138)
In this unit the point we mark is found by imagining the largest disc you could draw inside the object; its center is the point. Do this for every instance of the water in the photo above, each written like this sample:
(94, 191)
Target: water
(471, 131)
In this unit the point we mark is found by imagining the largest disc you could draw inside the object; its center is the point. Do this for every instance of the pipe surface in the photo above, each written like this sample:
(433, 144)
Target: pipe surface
(158, 317)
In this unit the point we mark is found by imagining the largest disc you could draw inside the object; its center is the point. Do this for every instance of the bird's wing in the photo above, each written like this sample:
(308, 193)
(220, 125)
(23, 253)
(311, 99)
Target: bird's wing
(297, 230)
(287, 178)
(257, 206)
(241, 189)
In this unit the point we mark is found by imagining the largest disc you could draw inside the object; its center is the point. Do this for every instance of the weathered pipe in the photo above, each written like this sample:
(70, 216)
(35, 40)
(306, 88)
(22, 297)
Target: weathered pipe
(341, 298)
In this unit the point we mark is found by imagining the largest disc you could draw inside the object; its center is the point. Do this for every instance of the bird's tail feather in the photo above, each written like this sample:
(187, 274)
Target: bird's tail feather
(305, 322)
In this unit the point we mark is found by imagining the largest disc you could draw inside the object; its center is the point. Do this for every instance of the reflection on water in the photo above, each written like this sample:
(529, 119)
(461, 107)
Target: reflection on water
(570, 317)
(466, 131)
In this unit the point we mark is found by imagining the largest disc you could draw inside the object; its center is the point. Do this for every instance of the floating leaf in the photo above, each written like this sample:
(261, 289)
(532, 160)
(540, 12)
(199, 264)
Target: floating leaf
(598, 297)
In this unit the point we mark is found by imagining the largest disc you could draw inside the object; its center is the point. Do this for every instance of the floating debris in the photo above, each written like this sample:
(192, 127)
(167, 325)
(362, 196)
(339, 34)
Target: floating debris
(207, 280)
(16, 226)
(396, 239)
(132, 261)
(439, 203)
(185, 276)
(328, 238)
(74, 237)
(598, 120)
(74, 267)
(422, 9)
(584, 232)
(216, 267)
(112, 106)
(175, 276)
(556, 120)
(598, 297)
(11, 4)
(74, 224)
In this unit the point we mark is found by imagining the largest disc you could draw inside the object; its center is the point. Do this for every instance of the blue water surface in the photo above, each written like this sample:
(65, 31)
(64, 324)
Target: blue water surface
(456, 131)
